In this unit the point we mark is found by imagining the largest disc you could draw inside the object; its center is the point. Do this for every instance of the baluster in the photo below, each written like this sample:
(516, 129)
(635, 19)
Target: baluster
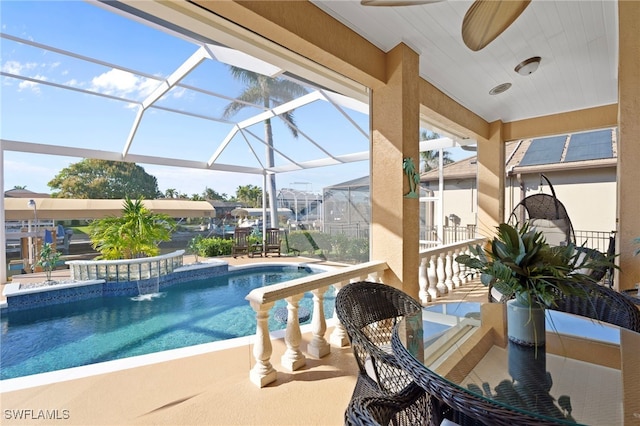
(448, 271)
(318, 347)
(423, 281)
(292, 359)
(339, 337)
(455, 266)
(432, 275)
(463, 268)
(262, 372)
(442, 288)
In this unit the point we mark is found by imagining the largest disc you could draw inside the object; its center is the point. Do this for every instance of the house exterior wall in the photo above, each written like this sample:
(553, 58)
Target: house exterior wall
(460, 199)
(589, 196)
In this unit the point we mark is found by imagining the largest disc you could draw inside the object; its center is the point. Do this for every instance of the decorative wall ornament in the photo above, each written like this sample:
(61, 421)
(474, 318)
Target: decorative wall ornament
(414, 177)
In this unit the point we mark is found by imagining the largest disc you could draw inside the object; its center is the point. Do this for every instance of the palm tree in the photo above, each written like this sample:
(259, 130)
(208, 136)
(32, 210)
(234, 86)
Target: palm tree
(135, 234)
(431, 159)
(268, 92)
(249, 194)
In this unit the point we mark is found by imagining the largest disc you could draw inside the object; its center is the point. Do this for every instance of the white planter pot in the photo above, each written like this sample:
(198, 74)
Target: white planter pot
(525, 324)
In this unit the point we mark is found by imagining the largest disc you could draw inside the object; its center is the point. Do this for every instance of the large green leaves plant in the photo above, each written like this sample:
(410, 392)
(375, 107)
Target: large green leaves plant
(135, 234)
(519, 262)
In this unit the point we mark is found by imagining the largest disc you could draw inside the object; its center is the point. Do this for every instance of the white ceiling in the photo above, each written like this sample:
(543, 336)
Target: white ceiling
(577, 40)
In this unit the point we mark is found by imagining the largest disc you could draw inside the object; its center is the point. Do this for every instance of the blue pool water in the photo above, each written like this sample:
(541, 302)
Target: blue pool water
(104, 329)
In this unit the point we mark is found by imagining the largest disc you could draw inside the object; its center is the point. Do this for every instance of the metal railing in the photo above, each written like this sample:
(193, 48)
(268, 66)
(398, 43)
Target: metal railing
(125, 270)
(598, 240)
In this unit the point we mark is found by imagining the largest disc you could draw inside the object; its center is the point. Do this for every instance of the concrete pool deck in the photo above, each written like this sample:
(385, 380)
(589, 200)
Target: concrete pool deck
(211, 388)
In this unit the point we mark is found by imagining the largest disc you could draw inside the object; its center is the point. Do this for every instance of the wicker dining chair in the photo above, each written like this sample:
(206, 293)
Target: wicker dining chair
(410, 407)
(369, 311)
(603, 304)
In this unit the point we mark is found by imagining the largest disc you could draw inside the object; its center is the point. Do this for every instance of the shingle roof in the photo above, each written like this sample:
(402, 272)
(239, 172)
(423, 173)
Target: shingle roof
(586, 149)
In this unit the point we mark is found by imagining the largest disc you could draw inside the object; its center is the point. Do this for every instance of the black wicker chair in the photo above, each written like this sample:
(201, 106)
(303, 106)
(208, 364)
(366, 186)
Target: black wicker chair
(410, 407)
(369, 311)
(603, 304)
(547, 214)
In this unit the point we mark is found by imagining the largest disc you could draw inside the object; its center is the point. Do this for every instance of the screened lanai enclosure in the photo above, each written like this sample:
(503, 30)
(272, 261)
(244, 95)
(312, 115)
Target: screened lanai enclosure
(181, 105)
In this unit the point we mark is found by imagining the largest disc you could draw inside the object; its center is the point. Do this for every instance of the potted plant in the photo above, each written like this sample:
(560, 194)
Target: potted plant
(523, 267)
(194, 246)
(48, 259)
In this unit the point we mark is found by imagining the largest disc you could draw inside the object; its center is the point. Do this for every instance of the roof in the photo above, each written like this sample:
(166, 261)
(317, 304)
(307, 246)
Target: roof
(580, 150)
(359, 182)
(67, 208)
(24, 193)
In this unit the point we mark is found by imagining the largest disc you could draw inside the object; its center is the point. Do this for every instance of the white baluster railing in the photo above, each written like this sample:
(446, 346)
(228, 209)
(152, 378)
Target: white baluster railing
(439, 272)
(262, 300)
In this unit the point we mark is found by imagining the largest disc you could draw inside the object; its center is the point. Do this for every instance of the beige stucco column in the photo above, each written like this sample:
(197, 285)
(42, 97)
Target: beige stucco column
(628, 143)
(394, 134)
(491, 178)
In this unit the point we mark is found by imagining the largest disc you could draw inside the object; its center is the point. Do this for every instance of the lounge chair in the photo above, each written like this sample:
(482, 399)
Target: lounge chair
(272, 241)
(240, 241)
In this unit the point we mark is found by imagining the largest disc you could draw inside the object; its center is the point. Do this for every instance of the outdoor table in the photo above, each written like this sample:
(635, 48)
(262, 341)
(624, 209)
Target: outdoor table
(588, 372)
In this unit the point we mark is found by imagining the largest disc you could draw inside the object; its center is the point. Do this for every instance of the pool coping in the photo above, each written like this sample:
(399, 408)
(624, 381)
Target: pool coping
(67, 374)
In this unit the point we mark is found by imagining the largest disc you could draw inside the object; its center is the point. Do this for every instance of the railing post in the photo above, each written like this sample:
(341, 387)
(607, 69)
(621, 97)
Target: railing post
(457, 282)
(448, 271)
(292, 359)
(423, 281)
(442, 288)
(339, 336)
(432, 275)
(262, 372)
(318, 347)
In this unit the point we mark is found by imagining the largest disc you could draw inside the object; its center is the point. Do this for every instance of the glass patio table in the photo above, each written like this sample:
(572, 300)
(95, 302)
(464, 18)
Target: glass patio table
(587, 372)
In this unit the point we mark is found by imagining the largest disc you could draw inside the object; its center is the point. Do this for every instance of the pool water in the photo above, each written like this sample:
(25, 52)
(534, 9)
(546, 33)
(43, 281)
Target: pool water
(98, 330)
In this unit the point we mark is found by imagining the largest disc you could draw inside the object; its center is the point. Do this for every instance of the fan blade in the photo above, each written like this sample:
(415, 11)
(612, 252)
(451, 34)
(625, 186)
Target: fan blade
(485, 20)
(396, 2)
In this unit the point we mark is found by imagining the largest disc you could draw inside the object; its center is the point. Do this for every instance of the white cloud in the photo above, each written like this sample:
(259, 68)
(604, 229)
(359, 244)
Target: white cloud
(121, 83)
(15, 67)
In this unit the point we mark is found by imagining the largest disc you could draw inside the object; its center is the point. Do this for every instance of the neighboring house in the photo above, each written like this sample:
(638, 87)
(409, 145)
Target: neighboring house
(24, 193)
(581, 167)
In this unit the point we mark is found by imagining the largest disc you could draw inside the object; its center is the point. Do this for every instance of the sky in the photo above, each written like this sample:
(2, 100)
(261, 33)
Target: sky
(38, 113)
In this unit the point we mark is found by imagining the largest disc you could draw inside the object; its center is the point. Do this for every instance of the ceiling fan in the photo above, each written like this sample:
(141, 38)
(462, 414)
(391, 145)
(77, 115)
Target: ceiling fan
(484, 21)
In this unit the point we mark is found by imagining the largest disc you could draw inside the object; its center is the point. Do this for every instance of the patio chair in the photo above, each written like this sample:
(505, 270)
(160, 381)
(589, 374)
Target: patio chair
(369, 311)
(240, 241)
(603, 304)
(546, 214)
(272, 241)
(410, 407)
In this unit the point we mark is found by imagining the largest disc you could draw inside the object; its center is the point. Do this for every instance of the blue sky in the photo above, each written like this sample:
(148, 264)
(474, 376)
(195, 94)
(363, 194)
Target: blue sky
(37, 113)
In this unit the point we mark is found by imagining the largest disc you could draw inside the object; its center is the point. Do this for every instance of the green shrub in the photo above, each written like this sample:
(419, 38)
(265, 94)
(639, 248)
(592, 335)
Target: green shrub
(212, 247)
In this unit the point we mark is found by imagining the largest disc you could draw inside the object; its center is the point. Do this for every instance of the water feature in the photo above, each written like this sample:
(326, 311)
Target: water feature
(148, 289)
(102, 329)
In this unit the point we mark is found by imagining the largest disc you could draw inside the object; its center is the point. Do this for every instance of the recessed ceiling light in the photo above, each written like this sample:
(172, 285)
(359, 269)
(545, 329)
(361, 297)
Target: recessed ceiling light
(528, 66)
(500, 88)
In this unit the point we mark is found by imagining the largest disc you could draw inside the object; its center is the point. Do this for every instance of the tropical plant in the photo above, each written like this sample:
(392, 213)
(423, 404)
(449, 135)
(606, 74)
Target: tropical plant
(194, 246)
(135, 234)
(519, 262)
(48, 259)
(249, 195)
(267, 92)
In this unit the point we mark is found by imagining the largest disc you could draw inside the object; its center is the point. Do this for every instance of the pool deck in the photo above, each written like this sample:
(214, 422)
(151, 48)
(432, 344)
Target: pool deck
(210, 388)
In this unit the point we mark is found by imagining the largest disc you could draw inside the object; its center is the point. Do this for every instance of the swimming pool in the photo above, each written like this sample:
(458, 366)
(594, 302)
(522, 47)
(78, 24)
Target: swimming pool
(103, 329)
